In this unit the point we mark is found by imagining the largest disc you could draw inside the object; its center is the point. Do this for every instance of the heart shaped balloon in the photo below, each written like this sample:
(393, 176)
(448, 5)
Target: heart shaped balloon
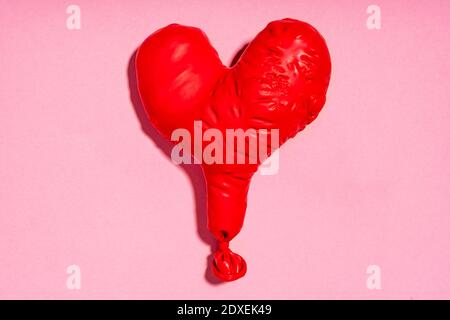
(279, 83)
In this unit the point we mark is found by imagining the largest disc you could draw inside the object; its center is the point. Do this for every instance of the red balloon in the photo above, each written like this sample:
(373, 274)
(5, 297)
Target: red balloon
(279, 82)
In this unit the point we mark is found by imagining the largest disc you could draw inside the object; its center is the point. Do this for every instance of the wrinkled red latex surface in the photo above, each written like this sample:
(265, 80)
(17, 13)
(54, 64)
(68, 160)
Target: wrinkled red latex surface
(279, 82)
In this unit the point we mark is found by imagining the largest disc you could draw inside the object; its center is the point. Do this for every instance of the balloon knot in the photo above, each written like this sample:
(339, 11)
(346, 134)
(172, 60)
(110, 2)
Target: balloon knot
(227, 265)
(224, 246)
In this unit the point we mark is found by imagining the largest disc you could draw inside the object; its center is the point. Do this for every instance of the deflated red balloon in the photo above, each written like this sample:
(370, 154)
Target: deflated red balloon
(279, 82)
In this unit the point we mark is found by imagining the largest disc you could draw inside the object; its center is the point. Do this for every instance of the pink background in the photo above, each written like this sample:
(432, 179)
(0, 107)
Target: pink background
(83, 182)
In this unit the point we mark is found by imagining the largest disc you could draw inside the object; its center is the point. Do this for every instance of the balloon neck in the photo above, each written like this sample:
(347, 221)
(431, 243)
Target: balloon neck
(227, 203)
(227, 265)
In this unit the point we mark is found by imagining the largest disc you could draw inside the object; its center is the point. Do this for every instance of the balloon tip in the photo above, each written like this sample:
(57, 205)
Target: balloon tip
(227, 265)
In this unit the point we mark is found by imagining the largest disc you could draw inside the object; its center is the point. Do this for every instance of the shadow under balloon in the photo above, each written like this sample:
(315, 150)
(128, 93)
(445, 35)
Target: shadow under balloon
(194, 171)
